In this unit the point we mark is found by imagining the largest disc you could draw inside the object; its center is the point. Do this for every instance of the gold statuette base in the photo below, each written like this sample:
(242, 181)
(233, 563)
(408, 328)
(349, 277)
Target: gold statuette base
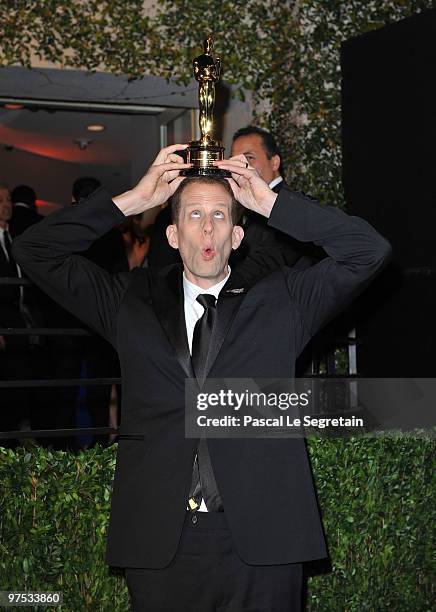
(202, 156)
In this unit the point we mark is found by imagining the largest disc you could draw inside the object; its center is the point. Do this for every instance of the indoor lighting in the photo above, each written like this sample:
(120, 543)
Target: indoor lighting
(95, 127)
(13, 106)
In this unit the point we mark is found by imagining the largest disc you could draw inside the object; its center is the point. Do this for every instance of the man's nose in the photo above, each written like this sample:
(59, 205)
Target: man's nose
(208, 225)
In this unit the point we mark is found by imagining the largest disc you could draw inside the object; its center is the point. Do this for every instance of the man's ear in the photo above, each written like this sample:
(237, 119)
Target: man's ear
(172, 237)
(237, 236)
(275, 162)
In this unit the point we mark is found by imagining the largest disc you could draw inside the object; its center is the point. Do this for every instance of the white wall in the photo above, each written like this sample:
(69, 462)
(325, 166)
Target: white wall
(238, 114)
(145, 145)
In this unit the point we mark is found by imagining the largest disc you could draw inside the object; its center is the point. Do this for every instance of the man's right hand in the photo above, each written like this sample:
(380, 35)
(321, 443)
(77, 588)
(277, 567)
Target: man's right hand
(158, 185)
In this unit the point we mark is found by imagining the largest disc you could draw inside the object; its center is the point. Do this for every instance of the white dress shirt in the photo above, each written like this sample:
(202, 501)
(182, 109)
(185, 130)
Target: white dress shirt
(275, 182)
(193, 312)
(2, 240)
(3, 246)
(24, 310)
(271, 185)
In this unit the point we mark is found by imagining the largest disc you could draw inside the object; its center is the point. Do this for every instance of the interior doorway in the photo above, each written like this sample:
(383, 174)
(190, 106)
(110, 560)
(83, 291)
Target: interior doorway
(58, 125)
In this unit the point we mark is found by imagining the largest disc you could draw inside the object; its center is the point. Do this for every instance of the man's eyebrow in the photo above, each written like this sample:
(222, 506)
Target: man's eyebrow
(196, 204)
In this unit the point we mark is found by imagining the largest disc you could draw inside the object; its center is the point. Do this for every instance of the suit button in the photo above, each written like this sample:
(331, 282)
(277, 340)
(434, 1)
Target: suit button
(194, 519)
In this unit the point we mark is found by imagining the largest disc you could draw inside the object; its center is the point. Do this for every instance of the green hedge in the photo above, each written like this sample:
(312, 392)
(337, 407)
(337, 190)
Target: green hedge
(376, 495)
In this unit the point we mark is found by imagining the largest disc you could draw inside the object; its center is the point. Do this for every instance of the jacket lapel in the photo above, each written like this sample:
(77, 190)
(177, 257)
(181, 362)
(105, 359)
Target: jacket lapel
(229, 301)
(168, 302)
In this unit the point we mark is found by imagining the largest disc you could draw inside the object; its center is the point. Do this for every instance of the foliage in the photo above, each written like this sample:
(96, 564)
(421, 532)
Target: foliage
(54, 509)
(287, 53)
(376, 496)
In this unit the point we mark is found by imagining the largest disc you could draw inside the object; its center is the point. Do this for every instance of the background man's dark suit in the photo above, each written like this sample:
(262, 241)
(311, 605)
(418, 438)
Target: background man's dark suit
(14, 359)
(22, 218)
(265, 484)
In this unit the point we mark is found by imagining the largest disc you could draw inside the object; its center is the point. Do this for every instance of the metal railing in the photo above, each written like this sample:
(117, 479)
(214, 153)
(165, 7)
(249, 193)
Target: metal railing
(50, 383)
(324, 364)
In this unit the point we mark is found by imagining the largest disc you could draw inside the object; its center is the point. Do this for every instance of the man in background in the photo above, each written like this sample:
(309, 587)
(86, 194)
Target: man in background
(76, 356)
(14, 349)
(24, 212)
(97, 357)
(108, 251)
(262, 153)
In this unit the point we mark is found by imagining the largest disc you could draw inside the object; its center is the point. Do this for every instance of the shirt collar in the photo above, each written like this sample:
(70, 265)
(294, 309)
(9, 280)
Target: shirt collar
(275, 182)
(192, 291)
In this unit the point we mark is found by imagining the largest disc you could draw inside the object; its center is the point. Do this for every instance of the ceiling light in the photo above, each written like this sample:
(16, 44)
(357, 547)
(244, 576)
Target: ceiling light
(82, 143)
(13, 106)
(95, 127)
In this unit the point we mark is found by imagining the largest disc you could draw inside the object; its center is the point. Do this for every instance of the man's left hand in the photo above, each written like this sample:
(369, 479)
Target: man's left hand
(248, 187)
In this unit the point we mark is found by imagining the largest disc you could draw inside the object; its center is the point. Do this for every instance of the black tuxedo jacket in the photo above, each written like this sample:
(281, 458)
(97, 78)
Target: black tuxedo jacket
(268, 248)
(265, 484)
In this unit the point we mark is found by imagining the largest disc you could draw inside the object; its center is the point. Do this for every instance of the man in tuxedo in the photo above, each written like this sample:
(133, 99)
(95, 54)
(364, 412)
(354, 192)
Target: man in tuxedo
(24, 213)
(253, 516)
(262, 153)
(263, 244)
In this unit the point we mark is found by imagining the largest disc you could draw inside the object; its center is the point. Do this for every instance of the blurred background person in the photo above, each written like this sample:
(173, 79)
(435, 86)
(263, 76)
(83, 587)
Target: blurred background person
(24, 211)
(74, 356)
(15, 403)
(34, 310)
(98, 359)
(137, 232)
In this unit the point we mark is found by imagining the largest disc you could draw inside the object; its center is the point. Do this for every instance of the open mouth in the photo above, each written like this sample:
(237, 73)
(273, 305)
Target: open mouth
(208, 253)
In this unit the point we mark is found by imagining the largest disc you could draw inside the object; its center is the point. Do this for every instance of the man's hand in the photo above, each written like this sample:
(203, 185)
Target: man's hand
(159, 184)
(248, 188)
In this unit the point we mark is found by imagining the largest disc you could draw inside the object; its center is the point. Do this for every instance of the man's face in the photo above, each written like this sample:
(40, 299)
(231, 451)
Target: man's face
(204, 233)
(252, 147)
(5, 205)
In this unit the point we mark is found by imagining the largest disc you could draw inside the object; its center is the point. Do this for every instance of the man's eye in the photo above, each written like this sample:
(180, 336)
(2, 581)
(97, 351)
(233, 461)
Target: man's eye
(195, 214)
(219, 214)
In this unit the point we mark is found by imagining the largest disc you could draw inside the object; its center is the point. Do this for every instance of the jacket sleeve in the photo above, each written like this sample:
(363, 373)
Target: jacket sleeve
(356, 254)
(48, 252)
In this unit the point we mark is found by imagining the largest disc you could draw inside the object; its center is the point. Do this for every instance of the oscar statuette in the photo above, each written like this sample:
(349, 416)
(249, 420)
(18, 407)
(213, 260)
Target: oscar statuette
(201, 153)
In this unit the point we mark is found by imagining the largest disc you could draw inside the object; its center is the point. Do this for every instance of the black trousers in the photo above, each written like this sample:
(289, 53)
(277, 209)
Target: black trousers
(207, 575)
